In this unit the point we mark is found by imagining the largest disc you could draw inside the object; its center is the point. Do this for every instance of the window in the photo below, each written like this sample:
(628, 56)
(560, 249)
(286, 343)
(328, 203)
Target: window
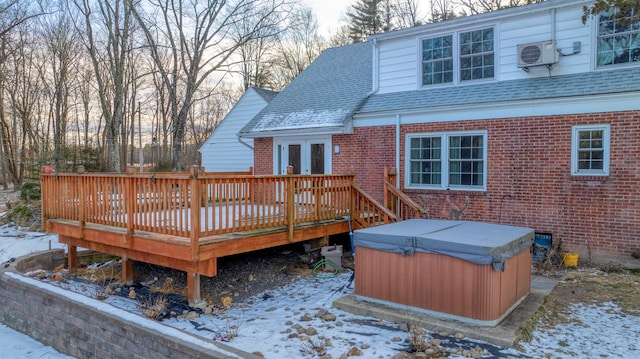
(590, 150)
(447, 160)
(437, 60)
(455, 58)
(476, 55)
(426, 168)
(466, 160)
(618, 39)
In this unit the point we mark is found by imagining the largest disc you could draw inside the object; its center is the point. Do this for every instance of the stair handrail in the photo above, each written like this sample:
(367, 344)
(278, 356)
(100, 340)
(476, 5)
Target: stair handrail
(395, 200)
(364, 220)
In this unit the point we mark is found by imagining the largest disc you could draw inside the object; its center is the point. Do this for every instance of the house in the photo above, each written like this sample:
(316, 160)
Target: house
(298, 126)
(224, 139)
(523, 116)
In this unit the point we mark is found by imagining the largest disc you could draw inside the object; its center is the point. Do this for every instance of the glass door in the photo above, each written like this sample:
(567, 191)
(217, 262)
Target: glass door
(306, 156)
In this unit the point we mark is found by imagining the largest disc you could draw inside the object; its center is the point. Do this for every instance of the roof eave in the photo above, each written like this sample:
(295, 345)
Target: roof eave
(328, 130)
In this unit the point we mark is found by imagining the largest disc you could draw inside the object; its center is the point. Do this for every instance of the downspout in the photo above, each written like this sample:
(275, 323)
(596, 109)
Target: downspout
(398, 150)
(375, 78)
(553, 26)
(375, 87)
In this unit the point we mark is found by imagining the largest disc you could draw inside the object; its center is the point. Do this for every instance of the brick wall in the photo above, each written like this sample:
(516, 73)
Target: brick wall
(263, 156)
(87, 328)
(529, 181)
(366, 153)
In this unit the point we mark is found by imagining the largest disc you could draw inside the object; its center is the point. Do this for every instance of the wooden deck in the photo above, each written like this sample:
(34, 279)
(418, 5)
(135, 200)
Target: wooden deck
(187, 221)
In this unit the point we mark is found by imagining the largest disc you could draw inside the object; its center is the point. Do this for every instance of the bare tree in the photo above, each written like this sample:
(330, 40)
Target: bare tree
(27, 100)
(254, 63)
(296, 48)
(207, 114)
(108, 53)
(473, 7)
(196, 34)
(405, 13)
(161, 123)
(339, 36)
(62, 49)
(13, 13)
(441, 10)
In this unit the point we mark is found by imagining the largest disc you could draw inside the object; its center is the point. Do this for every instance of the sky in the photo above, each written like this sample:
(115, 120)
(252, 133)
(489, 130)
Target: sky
(590, 331)
(328, 12)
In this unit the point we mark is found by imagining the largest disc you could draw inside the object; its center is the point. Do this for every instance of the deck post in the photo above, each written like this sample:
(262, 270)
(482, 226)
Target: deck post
(194, 228)
(193, 287)
(193, 278)
(127, 270)
(72, 258)
(290, 204)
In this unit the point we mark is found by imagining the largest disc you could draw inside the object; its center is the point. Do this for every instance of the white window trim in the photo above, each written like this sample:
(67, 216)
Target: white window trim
(456, 57)
(305, 141)
(444, 160)
(605, 144)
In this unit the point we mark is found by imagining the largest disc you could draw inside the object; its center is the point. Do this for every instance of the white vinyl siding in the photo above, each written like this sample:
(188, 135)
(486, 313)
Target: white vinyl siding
(397, 65)
(400, 59)
(223, 151)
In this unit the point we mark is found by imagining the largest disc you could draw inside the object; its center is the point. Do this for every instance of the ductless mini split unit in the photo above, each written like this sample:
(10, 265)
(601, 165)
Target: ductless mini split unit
(540, 53)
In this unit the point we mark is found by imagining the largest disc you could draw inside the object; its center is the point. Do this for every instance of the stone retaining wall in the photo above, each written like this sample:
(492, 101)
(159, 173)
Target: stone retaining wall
(87, 328)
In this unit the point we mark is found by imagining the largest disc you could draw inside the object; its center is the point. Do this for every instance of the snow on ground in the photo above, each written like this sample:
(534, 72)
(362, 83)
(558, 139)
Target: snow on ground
(14, 243)
(594, 331)
(274, 322)
(17, 345)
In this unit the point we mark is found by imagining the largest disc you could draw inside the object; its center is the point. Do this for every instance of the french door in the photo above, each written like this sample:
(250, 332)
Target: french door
(305, 155)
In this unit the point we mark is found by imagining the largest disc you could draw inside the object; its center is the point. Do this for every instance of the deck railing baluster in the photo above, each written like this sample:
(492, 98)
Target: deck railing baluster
(160, 203)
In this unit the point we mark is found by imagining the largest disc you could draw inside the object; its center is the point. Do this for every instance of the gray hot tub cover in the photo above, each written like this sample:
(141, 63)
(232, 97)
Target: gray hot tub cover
(475, 242)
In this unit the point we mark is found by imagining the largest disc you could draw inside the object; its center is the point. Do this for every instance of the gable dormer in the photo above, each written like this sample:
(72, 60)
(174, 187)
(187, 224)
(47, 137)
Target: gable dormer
(496, 46)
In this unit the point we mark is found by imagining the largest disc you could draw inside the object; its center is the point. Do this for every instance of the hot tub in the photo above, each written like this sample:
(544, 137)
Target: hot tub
(470, 271)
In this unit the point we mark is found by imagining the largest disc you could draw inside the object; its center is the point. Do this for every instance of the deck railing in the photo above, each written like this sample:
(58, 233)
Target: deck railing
(403, 206)
(195, 205)
(367, 212)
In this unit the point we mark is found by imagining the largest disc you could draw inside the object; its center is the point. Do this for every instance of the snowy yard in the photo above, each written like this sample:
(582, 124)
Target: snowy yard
(291, 321)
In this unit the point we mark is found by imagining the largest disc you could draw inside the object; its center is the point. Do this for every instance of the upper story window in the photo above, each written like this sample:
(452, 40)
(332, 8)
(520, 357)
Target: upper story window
(590, 150)
(460, 57)
(618, 39)
(437, 60)
(454, 160)
(476, 54)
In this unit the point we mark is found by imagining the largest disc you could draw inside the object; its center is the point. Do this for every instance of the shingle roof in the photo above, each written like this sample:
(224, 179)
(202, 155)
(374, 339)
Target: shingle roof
(324, 96)
(267, 95)
(565, 86)
(337, 85)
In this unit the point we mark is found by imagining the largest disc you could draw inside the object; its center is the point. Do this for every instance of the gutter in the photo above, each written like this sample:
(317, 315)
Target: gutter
(241, 140)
